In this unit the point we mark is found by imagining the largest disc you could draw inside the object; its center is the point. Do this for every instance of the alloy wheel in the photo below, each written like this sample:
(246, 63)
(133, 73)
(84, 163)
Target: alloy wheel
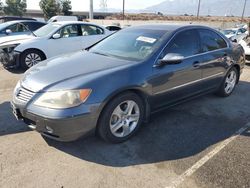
(124, 118)
(32, 59)
(230, 82)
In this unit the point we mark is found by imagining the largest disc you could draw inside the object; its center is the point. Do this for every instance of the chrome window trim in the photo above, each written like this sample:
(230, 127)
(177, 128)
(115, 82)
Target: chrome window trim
(190, 83)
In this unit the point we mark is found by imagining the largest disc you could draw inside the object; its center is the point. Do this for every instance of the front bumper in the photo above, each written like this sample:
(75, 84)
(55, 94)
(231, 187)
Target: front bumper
(62, 129)
(9, 59)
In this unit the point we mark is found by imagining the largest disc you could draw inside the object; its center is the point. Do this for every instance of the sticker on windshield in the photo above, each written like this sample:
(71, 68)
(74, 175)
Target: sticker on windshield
(146, 39)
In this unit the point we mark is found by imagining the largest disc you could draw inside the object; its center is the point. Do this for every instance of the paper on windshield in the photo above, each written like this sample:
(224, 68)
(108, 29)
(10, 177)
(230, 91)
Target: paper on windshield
(146, 39)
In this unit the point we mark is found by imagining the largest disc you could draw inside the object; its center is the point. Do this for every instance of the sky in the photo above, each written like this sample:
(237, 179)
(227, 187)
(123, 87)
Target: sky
(83, 5)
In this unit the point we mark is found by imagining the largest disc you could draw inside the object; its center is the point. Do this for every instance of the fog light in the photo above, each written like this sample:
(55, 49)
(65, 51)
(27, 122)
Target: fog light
(49, 129)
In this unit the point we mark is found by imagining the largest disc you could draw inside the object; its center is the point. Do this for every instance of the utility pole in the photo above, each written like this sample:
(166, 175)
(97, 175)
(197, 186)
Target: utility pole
(198, 11)
(123, 10)
(243, 12)
(91, 9)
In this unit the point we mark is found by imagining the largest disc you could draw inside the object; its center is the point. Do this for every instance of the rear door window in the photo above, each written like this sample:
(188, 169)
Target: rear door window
(91, 30)
(211, 41)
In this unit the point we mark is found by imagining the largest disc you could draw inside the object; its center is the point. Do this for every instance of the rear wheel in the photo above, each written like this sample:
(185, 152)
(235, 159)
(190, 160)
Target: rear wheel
(30, 58)
(121, 118)
(229, 83)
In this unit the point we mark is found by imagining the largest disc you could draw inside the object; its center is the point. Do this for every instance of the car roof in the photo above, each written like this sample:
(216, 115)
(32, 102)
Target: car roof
(20, 21)
(74, 22)
(168, 27)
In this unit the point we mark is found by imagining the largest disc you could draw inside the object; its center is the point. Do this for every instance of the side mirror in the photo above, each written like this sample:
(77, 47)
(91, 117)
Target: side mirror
(56, 36)
(233, 40)
(8, 31)
(170, 59)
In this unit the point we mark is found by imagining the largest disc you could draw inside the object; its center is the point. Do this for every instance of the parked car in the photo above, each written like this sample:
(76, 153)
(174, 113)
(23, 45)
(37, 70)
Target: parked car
(51, 40)
(21, 27)
(62, 18)
(235, 34)
(14, 18)
(112, 87)
(113, 28)
(245, 43)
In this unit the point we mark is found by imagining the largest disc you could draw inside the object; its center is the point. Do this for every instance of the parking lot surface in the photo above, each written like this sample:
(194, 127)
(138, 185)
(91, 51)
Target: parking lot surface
(201, 143)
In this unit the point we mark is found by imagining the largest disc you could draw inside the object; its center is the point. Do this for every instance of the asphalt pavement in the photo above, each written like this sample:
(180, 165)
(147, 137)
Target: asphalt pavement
(201, 143)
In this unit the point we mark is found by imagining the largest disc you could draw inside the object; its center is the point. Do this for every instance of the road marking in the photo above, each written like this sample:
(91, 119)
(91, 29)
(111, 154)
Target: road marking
(206, 158)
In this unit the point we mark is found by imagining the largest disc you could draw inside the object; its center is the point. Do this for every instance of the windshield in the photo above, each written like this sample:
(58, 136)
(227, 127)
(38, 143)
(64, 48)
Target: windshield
(134, 45)
(229, 32)
(47, 29)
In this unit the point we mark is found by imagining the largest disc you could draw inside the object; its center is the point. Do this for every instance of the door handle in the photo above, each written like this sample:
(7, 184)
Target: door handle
(196, 64)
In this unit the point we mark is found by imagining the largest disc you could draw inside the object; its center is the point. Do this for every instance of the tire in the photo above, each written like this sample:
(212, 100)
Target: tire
(31, 57)
(117, 122)
(225, 89)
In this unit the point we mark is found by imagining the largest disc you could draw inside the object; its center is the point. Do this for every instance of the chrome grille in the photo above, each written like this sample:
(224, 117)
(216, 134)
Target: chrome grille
(24, 95)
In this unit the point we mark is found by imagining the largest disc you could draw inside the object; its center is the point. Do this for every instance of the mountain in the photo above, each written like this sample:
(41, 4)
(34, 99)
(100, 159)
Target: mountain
(208, 7)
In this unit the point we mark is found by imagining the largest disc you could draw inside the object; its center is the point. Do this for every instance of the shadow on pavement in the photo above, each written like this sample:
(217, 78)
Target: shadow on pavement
(15, 71)
(172, 134)
(176, 133)
(8, 122)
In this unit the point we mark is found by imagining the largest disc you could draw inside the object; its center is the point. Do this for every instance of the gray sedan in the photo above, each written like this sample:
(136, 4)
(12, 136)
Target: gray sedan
(113, 87)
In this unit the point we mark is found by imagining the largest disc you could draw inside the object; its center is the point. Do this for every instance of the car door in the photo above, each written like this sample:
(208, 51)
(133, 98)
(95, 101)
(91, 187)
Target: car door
(91, 35)
(69, 41)
(173, 82)
(216, 54)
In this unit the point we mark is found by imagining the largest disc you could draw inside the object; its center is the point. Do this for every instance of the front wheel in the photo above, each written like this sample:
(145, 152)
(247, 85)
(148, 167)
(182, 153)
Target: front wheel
(229, 83)
(121, 118)
(30, 58)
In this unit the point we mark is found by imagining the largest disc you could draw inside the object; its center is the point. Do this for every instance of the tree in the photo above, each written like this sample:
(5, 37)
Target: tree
(50, 8)
(15, 7)
(1, 6)
(66, 7)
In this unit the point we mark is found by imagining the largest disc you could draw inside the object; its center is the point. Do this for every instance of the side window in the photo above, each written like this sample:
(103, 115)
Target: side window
(185, 43)
(211, 41)
(69, 31)
(15, 28)
(91, 30)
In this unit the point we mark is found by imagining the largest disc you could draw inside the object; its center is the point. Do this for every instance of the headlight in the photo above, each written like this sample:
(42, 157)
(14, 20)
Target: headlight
(63, 99)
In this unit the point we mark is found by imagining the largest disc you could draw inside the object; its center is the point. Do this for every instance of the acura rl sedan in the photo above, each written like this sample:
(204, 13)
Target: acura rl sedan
(112, 87)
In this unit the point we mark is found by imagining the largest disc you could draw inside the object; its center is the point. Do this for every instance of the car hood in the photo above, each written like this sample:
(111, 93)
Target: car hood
(230, 35)
(14, 39)
(47, 75)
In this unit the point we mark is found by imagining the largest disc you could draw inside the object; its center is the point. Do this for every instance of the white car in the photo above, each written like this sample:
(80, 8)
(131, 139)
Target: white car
(235, 34)
(245, 43)
(51, 40)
